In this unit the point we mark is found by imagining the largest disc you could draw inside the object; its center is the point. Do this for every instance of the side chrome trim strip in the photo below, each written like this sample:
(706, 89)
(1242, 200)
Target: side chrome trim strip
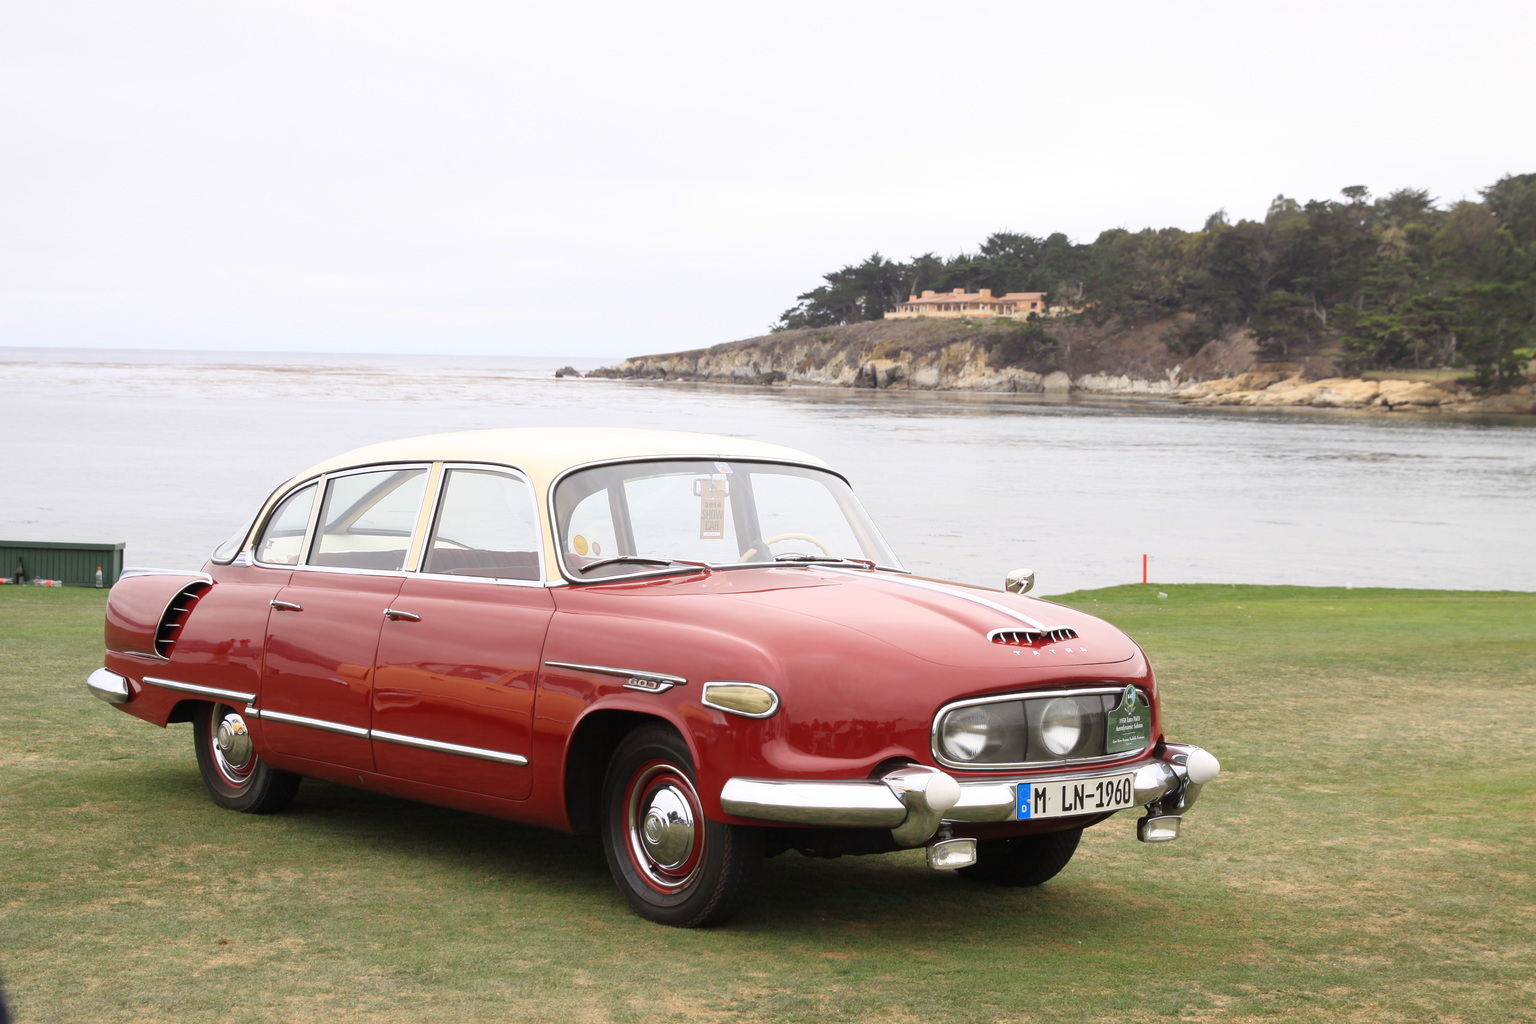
(448, 748)
(232, 696)
(500, 757)
(308, 723)
(142, 571)
(625, 673)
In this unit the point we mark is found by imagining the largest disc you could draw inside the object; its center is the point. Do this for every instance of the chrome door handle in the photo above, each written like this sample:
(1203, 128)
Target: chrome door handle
(285, 606)
(395, 615)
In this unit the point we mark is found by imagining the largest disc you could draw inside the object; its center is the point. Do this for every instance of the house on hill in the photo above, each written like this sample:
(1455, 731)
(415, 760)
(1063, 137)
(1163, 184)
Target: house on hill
(961, 303)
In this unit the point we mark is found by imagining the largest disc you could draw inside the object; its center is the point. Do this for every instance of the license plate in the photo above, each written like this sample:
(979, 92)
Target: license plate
(1058, 798)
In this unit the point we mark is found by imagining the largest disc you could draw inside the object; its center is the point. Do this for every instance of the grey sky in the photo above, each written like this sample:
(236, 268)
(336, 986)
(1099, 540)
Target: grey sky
(608, 179)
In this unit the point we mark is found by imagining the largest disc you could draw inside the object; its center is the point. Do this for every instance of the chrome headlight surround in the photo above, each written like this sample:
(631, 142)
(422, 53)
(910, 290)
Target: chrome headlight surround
(1045, 729)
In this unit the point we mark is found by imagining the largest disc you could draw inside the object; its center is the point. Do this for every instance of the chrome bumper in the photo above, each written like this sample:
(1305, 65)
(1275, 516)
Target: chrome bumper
(109, 686)
(914, 801)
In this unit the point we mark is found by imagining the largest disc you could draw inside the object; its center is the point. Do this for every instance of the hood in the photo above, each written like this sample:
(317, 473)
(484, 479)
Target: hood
(949, 624)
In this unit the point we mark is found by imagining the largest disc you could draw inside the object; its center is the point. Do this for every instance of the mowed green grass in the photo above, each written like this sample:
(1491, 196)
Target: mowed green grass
(1368, 854)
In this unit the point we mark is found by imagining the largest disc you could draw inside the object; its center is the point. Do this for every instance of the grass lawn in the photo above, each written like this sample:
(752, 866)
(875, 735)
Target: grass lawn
(1368, 854)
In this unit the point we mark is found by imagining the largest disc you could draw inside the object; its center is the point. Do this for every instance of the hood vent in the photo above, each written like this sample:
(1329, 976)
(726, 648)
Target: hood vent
(175, 616)
(1031, 637)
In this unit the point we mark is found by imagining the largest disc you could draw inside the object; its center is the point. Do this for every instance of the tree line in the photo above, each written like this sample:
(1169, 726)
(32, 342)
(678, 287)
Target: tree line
(1390, 282)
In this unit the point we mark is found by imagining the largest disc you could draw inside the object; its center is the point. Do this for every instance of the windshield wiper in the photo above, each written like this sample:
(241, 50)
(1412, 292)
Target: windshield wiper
(824, 559)
(640, 560)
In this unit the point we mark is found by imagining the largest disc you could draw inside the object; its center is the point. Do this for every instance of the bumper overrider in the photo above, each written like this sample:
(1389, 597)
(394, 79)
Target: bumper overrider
(916, 801)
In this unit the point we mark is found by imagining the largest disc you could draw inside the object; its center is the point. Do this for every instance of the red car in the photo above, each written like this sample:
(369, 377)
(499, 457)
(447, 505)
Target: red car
(698, 646)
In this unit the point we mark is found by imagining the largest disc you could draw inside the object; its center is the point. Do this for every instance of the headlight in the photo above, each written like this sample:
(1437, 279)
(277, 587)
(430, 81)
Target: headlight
(969, 733)
(1061, 726)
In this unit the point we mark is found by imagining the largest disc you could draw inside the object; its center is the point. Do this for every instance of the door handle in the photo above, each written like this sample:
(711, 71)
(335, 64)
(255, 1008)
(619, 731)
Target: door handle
(395, 615)
(285, 606)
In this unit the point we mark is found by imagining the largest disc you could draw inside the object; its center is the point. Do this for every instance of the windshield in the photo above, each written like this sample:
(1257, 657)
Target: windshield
(635, 517)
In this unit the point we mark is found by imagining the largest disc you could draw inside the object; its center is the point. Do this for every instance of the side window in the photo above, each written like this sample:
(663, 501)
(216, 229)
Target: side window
(367, 519)
(486, 526)
(282, 540)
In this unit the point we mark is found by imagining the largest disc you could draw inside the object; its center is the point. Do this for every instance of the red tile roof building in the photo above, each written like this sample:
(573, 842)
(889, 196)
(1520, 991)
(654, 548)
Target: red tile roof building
(961, 303)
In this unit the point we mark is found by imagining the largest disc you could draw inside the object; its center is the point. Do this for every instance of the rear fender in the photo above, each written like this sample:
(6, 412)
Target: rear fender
(146, 608)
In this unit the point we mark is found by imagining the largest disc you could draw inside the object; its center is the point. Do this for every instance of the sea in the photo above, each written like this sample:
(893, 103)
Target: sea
(170, 452)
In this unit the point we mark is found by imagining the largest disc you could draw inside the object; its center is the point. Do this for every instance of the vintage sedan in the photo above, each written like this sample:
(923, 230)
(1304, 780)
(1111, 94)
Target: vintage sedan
(697, 646)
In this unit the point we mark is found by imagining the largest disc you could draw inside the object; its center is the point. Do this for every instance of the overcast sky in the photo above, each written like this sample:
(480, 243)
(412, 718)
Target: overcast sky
(610, 179)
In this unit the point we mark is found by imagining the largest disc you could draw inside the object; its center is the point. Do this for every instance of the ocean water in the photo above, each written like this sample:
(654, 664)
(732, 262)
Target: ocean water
(170, 452)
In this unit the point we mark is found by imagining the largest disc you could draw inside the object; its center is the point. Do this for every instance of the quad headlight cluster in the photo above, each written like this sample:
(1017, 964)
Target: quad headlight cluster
(1012, 731)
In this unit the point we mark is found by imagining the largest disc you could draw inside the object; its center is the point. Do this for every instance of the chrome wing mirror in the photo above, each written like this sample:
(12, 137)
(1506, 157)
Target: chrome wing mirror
(1020, 581)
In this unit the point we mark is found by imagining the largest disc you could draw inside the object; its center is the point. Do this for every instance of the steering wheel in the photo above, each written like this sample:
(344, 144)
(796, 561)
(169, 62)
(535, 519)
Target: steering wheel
(761, 548)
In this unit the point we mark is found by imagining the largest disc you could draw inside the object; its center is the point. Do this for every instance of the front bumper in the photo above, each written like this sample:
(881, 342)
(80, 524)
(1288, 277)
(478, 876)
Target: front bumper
(914, 801)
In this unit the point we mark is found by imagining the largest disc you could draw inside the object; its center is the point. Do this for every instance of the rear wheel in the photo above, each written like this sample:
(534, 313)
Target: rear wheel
(236, 778)
(1024, 861)
(672, 864)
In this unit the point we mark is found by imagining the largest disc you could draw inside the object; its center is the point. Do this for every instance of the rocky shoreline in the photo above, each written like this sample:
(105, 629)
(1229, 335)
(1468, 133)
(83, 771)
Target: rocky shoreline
(1273, 389)
(949, 357)
(1259, 388)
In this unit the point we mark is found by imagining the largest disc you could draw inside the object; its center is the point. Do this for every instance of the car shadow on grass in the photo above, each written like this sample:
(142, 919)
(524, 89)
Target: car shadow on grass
(331, 824)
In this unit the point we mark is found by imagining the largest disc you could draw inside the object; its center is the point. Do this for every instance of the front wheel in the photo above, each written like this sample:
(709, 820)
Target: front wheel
(672, 864)
(1027, 860)
(236, 778)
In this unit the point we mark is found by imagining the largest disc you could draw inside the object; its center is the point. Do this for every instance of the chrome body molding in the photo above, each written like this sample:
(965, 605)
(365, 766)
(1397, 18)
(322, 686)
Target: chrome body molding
(190, 574)
(448, 748)
(480, 753)
(228, 696)
(109, 686)
(283, 718)
(914, 801)
(635, 679)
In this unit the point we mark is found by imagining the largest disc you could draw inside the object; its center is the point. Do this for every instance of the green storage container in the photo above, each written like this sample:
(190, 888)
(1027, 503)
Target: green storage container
(74, 565)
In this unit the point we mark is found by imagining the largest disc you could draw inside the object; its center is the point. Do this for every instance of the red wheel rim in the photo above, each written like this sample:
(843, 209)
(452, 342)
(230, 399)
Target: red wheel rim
(663, 826)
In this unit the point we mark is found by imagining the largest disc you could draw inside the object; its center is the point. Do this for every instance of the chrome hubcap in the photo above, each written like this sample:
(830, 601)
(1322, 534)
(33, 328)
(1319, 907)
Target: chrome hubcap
(664, 827)
(668, 829)
(232, 746)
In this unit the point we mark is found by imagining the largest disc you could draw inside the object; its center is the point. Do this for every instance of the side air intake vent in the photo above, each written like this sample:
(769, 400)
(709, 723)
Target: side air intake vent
(1031, 637)
(176, 616)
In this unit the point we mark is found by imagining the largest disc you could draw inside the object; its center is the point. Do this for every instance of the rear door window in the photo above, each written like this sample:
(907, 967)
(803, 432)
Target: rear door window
(367, 519)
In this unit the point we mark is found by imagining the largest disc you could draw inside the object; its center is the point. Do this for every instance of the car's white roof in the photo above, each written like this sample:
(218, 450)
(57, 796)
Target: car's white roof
(545, 452)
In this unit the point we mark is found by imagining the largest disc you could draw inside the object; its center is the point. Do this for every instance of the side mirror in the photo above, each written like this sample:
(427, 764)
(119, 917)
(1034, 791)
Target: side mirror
(1020, 581)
